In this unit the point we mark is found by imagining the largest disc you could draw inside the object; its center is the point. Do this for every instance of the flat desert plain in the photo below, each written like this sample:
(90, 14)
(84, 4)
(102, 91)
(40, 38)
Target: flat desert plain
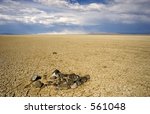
(119, 65)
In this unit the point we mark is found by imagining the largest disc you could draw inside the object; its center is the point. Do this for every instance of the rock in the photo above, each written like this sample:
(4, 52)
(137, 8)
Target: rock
(74, 86)
(61, 80)
(55, 74)
(87, 76)
(54, 53)
(62, 86)
(79, 82)
(73, 77)
(38, 84)
(35, 78)
(83, 79)
(70, 79)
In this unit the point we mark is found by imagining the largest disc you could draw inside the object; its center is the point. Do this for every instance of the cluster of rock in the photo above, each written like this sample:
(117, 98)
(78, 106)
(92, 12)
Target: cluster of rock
(60, 80)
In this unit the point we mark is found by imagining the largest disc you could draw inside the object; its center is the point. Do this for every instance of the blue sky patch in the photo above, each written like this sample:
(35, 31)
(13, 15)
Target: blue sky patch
(87, 1)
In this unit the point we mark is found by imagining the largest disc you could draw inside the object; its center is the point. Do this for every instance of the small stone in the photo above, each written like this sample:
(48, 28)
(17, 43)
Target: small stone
(83, 80)
(79, 82)
(74, 77)
(62, 86)
(54, 53)
(87, 76)
(55, 74)
(35, 78)
(38, 84)
(74, 86)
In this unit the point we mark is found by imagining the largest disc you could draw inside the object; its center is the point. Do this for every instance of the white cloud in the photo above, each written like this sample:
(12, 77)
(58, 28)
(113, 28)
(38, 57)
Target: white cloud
(53, 2)
(66, 31)
(116, 11)
(17, 12)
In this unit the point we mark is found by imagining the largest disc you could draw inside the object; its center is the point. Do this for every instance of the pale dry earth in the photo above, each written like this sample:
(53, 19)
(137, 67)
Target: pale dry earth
(119, 65)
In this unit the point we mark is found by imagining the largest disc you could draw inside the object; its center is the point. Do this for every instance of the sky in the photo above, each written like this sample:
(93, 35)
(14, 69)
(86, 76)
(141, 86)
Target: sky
(74, 16)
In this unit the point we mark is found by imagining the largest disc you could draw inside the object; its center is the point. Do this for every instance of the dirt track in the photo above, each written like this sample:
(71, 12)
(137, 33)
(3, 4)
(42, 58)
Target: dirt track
(119, 65)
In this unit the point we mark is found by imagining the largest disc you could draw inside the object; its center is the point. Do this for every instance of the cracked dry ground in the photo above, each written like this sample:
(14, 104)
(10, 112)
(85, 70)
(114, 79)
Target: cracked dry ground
(119, 65)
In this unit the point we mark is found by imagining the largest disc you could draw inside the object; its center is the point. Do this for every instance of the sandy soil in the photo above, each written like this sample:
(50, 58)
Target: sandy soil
(119, 65)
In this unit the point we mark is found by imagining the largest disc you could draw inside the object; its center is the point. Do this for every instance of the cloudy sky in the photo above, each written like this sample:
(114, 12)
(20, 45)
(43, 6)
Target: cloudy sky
(74, 16)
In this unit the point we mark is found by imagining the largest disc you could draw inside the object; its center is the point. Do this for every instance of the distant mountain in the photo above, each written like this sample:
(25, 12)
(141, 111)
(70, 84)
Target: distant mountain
(92, 33)
(7, 34)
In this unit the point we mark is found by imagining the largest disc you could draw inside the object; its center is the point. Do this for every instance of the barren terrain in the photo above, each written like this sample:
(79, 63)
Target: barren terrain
(119, 65)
